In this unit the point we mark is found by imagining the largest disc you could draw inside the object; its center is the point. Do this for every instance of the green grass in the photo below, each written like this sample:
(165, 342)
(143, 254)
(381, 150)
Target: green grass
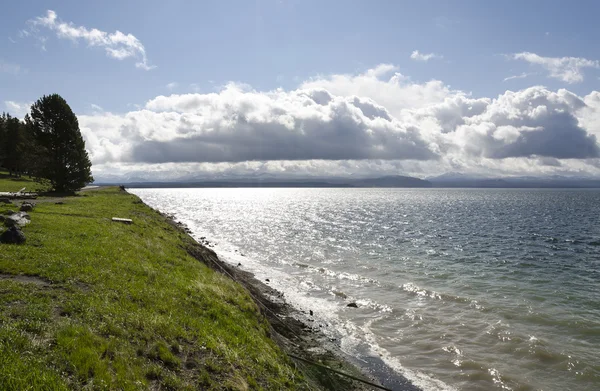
(8, 183)
(125, 307)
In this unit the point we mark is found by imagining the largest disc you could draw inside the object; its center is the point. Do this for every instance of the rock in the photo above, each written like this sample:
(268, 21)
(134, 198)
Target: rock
(4, 200)
(10, 212)
(17, 219)
(26, 207)
(13, 235)
(8, 222)
(59, 203)
(353, 305)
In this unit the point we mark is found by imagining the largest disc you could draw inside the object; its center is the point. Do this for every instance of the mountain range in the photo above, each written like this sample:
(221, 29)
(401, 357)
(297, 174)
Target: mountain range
(450, 180)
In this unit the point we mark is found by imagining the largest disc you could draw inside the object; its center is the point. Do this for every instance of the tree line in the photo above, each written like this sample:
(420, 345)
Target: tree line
(47, 146)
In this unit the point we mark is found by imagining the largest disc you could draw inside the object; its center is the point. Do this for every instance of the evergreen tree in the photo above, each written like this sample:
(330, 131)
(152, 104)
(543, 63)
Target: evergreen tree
(2, 139)
(11, 144)
(34, 157)
(61, 148)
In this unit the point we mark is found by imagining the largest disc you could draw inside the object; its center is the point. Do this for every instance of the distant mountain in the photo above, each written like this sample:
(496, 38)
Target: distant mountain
(449, 180)
(391, 181)
(230, 184)
(387, 181)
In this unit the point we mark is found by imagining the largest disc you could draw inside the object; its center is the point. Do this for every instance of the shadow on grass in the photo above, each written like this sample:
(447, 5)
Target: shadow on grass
(14, 178)
(58, 194)
(66, 214)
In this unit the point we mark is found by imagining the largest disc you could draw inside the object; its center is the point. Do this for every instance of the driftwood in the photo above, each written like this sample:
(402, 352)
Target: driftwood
(19, 195)
(121, 220)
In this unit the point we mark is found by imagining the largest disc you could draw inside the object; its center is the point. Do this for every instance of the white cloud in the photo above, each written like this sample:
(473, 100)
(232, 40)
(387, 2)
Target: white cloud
(374, 123)
(418, 56)
(534, 122)
(7, 67)
(116, 45)
(567, 69)
(384, 85)
(172, 85)
(521, 76)
(238, 124)
(17, 109)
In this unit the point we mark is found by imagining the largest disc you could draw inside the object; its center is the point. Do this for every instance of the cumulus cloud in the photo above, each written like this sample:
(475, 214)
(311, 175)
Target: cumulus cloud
(117, 45)
(17, 109)
(567, 69)
(373, 123)
(418, 56)
(385, 85)
(529, 123)
(242, 125)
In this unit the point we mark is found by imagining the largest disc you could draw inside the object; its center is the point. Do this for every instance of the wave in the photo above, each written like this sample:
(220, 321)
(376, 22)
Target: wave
(418, 291)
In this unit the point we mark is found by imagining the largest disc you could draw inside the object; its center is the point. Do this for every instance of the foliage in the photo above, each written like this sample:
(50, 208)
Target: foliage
(90, 304)
(62, 157)
(12, 140)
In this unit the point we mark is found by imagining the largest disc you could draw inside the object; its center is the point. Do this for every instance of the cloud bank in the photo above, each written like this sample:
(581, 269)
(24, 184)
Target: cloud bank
(372, 123)
(117, 45)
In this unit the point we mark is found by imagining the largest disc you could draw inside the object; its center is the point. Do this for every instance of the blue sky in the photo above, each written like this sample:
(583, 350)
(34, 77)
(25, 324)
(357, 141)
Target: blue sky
(199, 48)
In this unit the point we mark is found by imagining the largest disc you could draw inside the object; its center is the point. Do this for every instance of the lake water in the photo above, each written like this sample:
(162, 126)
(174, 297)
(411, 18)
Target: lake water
(456, 289)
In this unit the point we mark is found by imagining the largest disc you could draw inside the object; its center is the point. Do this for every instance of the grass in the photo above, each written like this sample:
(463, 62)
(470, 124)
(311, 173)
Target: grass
(8, 183)
(89, 304)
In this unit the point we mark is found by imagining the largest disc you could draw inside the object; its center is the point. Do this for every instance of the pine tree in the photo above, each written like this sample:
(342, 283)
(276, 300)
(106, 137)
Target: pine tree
(55, 130)
(2, 139)
(11, 144)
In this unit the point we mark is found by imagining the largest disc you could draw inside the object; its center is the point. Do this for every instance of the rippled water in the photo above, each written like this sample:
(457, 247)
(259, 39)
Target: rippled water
(457, 289)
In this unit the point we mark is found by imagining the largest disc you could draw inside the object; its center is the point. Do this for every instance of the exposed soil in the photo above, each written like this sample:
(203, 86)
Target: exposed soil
(25, 279)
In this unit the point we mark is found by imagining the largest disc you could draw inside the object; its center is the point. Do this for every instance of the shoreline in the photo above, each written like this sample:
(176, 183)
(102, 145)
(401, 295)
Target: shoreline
(293, 332)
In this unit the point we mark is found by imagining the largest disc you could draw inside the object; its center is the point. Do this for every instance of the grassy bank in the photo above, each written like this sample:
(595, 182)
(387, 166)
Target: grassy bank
(88, 303)
(8, 183)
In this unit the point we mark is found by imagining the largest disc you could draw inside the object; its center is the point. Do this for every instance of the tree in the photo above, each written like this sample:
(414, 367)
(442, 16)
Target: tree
(11, 144)
(55, 129)
(2, 139)
(33, 156)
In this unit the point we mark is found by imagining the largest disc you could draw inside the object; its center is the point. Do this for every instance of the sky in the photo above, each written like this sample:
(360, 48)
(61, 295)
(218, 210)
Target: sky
(302, 89)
